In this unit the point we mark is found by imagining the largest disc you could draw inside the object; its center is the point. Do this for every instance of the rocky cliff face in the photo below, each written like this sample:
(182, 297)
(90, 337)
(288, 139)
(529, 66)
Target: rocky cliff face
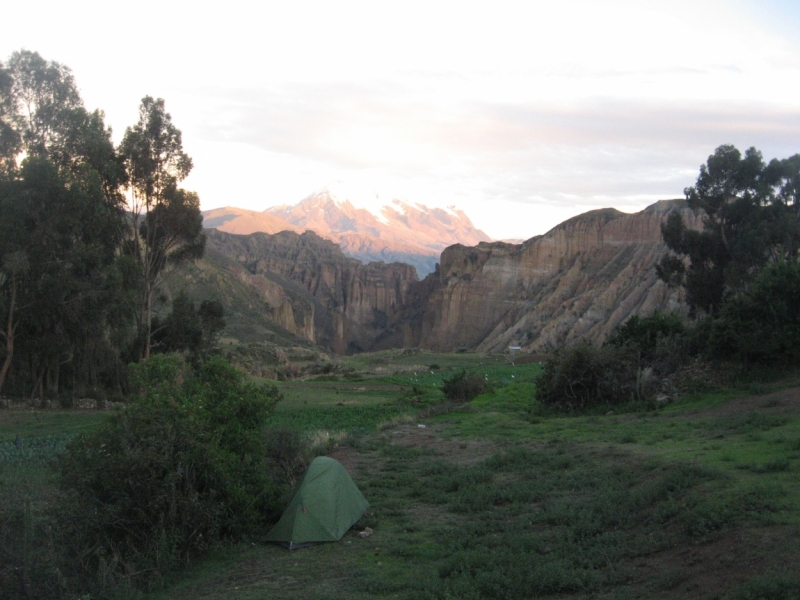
(351, 302)
(578, 281)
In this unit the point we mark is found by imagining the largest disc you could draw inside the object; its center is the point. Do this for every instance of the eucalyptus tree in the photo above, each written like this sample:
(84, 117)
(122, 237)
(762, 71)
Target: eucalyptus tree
(9, 136)
(61, 211)
(751, 218)
(44, 93)
(166, 224)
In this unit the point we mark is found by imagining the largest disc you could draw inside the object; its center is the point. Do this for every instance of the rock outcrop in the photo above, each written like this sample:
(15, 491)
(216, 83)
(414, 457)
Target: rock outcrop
(352, 302)
(579, 281)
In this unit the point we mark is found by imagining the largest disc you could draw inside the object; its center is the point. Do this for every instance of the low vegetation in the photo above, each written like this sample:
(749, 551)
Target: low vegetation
(692, 498)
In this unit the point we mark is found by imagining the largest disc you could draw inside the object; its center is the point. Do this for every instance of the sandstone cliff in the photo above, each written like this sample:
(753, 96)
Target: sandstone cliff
(578, 281)
(351, 302)
(256, 309)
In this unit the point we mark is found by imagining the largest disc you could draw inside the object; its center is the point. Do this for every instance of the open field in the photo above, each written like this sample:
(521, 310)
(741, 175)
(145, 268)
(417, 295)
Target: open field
(503, 499)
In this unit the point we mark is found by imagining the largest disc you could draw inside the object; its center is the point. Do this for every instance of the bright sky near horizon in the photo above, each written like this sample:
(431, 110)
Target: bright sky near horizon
(520, 113)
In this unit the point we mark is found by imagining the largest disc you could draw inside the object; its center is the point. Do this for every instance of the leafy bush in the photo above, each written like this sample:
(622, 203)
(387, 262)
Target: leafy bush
(579, 377)
(463, 387)
(645, 332)
(287, 453)
(660, 341)
(166, 478)
(761, 324)
(188, 328)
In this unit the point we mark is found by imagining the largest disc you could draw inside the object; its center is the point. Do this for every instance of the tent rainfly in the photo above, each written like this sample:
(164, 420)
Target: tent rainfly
(326, 505)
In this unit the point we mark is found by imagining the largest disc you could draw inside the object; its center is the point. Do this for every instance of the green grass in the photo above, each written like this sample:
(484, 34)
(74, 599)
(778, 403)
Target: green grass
(503, 498)
(31, 423)
(352, 418)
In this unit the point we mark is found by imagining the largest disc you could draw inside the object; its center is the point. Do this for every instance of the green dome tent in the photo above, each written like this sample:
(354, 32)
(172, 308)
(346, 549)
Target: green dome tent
(325, 506)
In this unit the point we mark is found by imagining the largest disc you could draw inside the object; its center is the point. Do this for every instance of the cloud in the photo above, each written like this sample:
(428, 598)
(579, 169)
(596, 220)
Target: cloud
(604, 147)
(553, 107)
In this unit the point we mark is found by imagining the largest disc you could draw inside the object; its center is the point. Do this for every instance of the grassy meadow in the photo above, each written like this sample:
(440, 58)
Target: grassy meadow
(502, 498)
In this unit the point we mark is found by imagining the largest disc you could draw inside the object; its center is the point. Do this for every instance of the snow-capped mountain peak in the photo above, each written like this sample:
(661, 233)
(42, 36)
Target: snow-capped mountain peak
(371, 226)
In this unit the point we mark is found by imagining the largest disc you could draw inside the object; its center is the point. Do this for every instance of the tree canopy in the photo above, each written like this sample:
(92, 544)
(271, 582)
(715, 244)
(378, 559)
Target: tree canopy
(751, 218)
(87, 231)
(167, 228)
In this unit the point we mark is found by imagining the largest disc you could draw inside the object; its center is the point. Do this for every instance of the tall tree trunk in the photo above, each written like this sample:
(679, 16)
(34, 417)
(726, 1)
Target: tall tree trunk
(53, 372)
(37, 386)
(9, 334)
(148, 318)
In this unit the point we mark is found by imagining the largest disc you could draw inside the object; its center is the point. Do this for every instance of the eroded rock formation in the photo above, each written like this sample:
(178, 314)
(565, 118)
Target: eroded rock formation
(578, 281)
(352, 302)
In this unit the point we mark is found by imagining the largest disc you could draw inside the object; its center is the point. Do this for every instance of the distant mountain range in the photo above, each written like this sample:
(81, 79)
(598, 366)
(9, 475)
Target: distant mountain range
(397, 232)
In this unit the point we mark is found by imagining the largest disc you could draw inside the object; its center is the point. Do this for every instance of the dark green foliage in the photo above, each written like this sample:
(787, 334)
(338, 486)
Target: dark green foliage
(750, 212)
(630, 367)
(10, 138)
(166, 225)
(464, 387)
(661, 342)
(761, 324)
(287, 454)
(61, 307)
(76, 276)
(60, 228)
(644, 333)
(188, 328)
(171, 475)
(583, 376)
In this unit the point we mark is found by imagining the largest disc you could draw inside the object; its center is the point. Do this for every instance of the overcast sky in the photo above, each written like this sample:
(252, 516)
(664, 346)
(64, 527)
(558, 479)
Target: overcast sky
(520, 113)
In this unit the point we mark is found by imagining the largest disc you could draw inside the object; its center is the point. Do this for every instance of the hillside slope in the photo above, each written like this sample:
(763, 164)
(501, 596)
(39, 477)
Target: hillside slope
(256, 308)
(579, 281)
(344, 303)
(244, 222)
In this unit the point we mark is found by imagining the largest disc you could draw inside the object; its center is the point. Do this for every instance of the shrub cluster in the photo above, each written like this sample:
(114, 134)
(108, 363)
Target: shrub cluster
(582, 376)
(761, 324)
(163, 480)
(630, 367)
(463, 387)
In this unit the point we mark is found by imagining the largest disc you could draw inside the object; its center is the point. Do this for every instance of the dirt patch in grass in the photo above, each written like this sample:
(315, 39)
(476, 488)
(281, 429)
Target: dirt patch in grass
(344, 385)
(529, 359)
(460, 452)
(274, 572)
(354, 462)
(715, 567)
(783, 402)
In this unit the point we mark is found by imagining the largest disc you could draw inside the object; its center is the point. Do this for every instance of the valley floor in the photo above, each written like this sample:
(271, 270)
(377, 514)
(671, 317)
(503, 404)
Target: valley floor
(695, 500)
(501, 499)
